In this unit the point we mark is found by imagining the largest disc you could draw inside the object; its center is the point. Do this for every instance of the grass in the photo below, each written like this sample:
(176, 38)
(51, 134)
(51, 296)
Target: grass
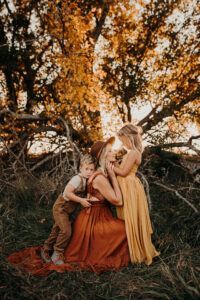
(26, 221)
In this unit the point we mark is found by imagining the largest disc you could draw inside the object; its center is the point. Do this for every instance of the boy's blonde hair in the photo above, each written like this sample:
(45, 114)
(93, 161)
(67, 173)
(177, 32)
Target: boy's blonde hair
(133, 132)
(87, 159)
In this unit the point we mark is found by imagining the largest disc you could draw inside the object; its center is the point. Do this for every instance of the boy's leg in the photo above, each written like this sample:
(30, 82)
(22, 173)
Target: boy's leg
(64, 234)
(49, 243)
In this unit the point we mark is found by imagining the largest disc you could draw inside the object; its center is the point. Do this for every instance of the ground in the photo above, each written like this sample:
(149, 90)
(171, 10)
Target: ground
(26, 221)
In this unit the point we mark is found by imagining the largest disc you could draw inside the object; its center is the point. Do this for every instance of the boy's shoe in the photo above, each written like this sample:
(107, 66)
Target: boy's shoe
(45, 255)
(57, 258)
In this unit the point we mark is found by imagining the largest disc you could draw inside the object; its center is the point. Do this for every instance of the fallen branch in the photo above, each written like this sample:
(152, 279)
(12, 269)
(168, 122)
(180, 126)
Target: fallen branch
(181, 144)
(34, 118)
(43, 161)
(177, 194)
(73, 145)
(20, 163)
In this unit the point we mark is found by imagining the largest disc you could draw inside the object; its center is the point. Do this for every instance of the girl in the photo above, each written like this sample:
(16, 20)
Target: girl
(135, 209)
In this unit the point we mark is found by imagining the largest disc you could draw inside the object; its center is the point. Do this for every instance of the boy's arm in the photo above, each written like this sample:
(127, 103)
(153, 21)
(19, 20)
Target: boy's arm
(69, 194)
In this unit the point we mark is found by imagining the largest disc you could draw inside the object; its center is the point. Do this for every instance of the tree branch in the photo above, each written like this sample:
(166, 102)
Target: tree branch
(146, 119)
(33, 118)
(169, 110)
(17, 116)
(99, 23)
(177, 194)
(181, 144)
(73, 145)
(47, 158)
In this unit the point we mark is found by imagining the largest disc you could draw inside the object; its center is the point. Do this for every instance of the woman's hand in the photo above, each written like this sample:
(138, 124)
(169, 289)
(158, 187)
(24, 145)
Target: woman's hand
(110, 169)
(93, 199)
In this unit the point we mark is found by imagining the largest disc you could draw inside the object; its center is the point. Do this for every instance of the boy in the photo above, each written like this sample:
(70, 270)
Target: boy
(63, 208)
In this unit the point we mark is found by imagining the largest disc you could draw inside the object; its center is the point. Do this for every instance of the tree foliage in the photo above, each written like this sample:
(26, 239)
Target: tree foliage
(151, 57)
(73, 60)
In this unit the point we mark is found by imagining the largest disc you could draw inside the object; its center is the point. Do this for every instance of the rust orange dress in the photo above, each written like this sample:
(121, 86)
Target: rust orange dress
(98, 243)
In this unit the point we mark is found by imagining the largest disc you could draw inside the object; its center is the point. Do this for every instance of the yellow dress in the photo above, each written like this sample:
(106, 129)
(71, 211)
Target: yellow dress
(135, 213)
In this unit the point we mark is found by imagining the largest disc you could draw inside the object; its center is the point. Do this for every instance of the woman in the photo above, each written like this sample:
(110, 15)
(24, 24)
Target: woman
(99, 240)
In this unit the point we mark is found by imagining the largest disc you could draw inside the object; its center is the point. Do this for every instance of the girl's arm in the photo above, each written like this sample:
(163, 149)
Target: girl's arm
(112, 194)
(131, 159)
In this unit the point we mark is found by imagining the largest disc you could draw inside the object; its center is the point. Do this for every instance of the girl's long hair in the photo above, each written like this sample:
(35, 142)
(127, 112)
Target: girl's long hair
(133, 132)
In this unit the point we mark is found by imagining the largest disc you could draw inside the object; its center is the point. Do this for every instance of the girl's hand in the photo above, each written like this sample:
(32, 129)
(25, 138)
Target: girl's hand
(116, 164)
(110, 169)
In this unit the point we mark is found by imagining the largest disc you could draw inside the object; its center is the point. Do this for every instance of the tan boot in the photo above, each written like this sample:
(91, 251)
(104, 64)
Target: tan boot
(57, 258)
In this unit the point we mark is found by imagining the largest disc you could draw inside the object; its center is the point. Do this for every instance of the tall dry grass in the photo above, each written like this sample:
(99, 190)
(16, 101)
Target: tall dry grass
(25, 210)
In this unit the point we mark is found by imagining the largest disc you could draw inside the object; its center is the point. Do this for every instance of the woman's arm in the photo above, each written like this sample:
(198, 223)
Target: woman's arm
(112, 194)
(131, 159)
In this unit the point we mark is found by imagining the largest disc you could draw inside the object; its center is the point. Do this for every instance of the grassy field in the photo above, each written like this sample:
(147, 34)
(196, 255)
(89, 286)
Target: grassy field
(25, 221)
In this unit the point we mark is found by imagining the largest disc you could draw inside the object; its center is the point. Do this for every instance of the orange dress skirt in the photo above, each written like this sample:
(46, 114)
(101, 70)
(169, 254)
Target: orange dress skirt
(98, 244)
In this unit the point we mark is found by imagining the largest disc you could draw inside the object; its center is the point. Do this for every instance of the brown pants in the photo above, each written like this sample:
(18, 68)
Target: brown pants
(60, 233)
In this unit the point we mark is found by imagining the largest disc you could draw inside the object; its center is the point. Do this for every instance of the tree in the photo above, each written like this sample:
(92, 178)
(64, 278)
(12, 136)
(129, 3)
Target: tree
(150, 57)
(62, 61)
(23, 48)
(47, 69)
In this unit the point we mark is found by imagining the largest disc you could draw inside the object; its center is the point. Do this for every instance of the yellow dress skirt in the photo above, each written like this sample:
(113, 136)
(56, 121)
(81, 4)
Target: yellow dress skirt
(135, 213)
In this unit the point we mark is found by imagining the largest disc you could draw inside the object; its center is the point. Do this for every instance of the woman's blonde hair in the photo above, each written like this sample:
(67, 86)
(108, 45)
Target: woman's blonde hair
(133, 132)
(102, 160)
